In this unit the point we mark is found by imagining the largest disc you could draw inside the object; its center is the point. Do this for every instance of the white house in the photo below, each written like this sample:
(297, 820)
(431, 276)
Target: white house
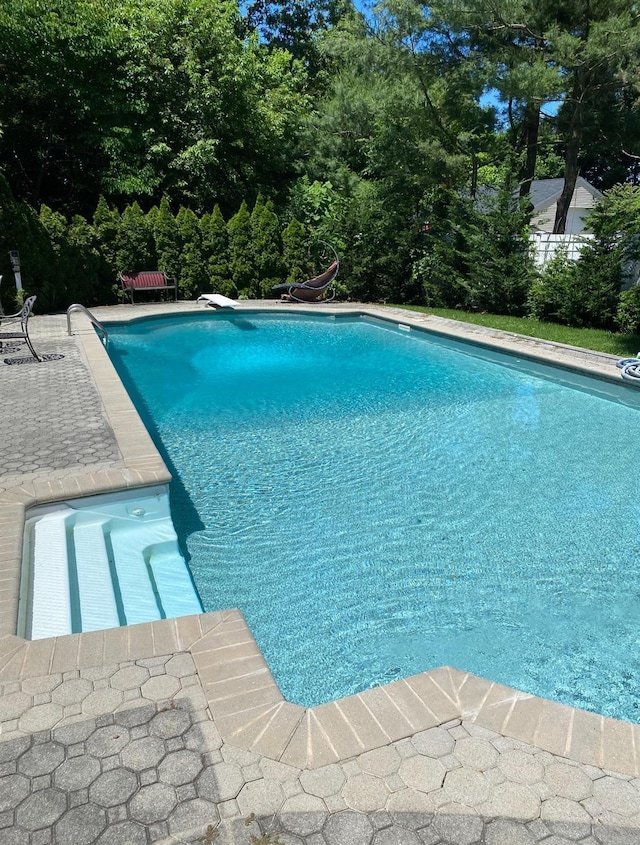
(544, 196)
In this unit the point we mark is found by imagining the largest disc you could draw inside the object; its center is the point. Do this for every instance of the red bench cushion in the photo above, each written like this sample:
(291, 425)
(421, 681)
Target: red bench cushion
(147, 279)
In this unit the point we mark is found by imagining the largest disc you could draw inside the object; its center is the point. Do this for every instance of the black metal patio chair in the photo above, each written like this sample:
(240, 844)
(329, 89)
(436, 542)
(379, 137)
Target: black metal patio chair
(9, 327)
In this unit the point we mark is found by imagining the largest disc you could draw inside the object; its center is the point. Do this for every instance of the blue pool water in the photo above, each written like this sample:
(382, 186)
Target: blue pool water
(379, 502)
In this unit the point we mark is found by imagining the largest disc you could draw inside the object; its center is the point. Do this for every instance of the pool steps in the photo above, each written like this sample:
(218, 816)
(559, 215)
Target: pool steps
(102, 562)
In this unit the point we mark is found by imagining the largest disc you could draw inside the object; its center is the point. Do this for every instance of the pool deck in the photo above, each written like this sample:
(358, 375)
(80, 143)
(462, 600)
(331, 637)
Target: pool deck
(158, 732)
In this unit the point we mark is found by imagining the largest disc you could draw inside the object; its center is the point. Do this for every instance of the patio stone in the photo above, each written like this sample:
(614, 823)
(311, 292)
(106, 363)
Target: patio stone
(153, 803)
(12, 706)
(41, 759)
(13, 789)
(566, 818)
(113, 787)
(76, 773)
(261, 797)
(465, 786)
(365, 793)
(323, 782)
(102, 701)
(435, 742)
(180, 665)
(41, 809)
(476, 754)
(170, 723)
(520, 767)
(381, 761)
(41, 718)
(303, 814)
(422, 773)
(81, 825)
(617, 796)
(123, 833)
(72, 692)
(568, 781)
(411, 808)
(220, 782)
(160, 688)
(348, 828)
(193, 815)
(129, 677)
(180, 767)
(459, 824)
(110, 739)
(507, 832)
(395, 836)
(512, 800)
(143, 753)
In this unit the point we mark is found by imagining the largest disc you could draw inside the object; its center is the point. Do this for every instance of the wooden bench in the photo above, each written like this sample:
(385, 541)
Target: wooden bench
(148, 280)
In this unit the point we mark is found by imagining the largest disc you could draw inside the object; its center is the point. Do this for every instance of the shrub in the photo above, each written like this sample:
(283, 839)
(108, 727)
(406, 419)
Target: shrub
(628, 314)
(240, 253)
(215, 249)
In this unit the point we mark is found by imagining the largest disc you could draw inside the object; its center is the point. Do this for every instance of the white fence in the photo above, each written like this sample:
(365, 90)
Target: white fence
(546, 245)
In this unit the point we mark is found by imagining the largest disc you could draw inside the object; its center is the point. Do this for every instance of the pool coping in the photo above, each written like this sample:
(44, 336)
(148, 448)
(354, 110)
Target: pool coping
(244, 699)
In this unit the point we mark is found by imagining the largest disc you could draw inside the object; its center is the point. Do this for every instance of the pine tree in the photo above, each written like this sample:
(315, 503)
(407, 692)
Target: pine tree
(241, 264)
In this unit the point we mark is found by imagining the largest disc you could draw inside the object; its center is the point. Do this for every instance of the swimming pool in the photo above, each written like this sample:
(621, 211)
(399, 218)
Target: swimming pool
(380, 502)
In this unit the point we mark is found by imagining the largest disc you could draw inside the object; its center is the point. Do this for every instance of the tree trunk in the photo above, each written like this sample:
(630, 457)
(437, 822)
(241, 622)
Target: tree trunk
(530, 133)
(570, 167)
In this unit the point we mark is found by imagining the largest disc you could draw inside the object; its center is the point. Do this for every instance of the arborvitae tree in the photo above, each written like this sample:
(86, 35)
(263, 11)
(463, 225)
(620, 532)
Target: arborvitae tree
(106, 225)
(243, 271)
(167, 239)
(294, 251)
(215, 249)
(192, 279)
(135, 249)
(267, 249)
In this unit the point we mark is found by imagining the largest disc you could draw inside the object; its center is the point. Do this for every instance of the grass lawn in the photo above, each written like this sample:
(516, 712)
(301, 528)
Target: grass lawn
(623, 345)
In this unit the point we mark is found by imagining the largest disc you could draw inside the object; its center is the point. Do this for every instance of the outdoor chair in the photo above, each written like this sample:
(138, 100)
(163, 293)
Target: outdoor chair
(317, 289)
(9, 327)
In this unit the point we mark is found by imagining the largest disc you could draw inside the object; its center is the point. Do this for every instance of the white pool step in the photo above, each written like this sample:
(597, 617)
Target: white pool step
(98, 567)
(138, 597)
(51, 605)
(98, 608)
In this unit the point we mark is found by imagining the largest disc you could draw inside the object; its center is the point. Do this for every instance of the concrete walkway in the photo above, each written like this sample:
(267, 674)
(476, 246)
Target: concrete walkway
(153, 734)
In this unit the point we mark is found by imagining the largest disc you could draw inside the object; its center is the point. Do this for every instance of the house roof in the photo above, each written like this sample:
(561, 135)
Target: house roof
(544, 192)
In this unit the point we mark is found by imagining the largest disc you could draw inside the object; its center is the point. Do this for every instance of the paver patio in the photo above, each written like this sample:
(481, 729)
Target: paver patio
(175, 731)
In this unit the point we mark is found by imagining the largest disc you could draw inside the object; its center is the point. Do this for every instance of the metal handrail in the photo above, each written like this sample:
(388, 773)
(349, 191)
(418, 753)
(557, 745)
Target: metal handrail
(77, 306)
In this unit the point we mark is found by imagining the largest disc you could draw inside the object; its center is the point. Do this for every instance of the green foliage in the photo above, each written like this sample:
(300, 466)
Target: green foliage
(192, 277)
(628, 314)
(168, 239)
(294, 251)
(266, 246)
(241, 265)
(578, 293)
(215, 245)
(135, 248)
(476, 253)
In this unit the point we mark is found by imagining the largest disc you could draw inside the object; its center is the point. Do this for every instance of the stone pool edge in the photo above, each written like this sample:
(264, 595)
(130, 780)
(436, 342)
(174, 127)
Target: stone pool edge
(244, 700)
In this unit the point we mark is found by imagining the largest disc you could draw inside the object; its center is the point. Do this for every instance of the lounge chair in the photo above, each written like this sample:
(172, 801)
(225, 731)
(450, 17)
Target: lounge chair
(217, 300)
(317, 289)
(9, 323)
